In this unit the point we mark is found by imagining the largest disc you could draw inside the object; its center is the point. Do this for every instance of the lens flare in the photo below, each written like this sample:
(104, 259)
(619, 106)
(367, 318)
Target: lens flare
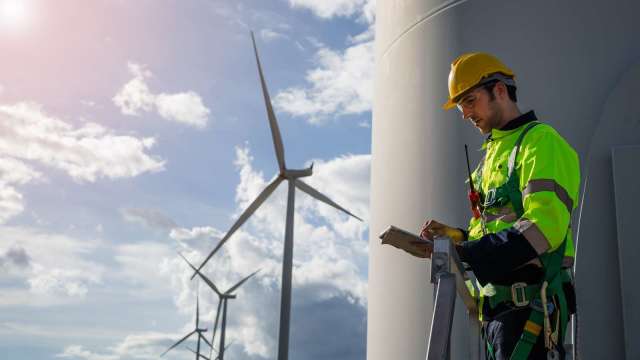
(13, 13)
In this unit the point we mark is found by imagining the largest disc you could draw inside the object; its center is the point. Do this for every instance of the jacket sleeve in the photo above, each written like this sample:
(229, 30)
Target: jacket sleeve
(549, 178)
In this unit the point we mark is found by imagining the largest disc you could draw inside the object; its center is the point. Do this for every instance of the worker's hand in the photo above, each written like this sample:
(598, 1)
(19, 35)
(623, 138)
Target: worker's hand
(433, 228)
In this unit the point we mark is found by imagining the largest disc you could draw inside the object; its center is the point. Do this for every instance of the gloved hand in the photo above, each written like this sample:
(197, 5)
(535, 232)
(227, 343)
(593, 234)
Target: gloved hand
(433, 228)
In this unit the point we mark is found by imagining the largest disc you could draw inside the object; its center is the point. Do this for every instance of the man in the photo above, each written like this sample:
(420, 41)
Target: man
(520, 248)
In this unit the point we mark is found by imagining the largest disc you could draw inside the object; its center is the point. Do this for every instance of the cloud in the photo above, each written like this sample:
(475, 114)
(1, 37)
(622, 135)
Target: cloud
(11, 203)
(199, 238)
(29, 136)
(15, 258)
(135, 96)
(146, 266)
(13, 172)
(342, 84)
(148, 217)
(53, 266)
(78, 352)
(145, 345)
(330, 8)
(270, 35)
(85, 153)
(69, 282)
(369, 11)
(182, 234)
(142, 346)
(184, 107)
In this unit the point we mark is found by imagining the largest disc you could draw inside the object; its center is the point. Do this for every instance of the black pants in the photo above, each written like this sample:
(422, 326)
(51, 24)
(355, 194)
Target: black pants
(504, 331)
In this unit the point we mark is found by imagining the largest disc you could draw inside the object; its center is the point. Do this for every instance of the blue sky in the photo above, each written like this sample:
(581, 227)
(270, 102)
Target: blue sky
(130, 130)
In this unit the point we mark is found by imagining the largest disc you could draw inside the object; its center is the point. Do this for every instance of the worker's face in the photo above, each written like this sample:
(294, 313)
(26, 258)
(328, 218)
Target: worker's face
(481, 110)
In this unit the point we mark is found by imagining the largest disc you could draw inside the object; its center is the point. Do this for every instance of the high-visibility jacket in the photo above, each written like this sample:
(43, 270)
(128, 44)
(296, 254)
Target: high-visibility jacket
(549, 176)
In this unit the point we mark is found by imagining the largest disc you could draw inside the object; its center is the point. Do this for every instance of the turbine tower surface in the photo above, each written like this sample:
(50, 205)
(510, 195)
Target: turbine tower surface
(293, 177)
(222, 303)
(577, 64)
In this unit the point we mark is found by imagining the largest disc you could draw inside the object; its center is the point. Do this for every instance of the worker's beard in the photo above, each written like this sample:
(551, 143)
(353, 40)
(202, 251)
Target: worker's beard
(493, 119)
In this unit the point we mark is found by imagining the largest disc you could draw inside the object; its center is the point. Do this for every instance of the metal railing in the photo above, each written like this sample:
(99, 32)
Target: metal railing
(449, 278)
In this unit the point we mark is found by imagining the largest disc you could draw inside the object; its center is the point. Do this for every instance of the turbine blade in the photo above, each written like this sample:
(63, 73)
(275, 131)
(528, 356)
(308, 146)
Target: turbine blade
(203, 276)
(205, 340)
(318, 195)
(273, 122)
(179, 342)
(187, 261)
(240, 283)
(245, 215)
(199, 355)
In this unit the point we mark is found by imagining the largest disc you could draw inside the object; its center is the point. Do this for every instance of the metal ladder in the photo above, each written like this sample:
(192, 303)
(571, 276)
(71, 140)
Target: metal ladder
(448, 276)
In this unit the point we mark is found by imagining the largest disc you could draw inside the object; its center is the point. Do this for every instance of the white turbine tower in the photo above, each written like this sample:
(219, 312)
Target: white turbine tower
(293, 177)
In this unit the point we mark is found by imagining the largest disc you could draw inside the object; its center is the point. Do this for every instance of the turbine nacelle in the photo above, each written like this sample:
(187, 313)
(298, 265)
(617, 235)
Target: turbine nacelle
(297, 173)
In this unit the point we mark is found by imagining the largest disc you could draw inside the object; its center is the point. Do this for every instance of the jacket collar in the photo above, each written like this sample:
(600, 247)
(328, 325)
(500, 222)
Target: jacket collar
(513, 124)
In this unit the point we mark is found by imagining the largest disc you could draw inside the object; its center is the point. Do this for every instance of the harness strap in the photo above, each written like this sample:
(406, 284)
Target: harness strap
(520, 294)
(529, 337)
(516, 148)
(552, 263)
(513, 182)
(509, 192)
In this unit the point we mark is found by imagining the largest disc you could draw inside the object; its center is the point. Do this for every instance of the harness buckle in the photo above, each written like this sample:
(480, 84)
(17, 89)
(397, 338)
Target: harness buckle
(519, 295)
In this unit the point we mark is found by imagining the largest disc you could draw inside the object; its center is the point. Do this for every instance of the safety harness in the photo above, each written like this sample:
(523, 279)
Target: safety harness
(545, 299)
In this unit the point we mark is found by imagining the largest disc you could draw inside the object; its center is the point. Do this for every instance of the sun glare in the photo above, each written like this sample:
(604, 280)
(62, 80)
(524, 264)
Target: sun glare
(13, 13)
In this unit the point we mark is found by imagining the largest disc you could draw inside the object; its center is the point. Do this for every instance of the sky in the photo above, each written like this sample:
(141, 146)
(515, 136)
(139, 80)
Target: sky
(134, 130)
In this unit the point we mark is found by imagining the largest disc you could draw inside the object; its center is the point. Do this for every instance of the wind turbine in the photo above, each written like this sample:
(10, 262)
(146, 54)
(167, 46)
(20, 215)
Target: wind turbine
(198, 355)
(293, 177)
(197, 330)
(206, 358)
(222, 302)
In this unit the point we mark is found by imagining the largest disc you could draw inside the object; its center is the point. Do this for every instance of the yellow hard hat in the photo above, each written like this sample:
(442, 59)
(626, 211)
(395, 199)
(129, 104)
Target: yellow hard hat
(472, 69)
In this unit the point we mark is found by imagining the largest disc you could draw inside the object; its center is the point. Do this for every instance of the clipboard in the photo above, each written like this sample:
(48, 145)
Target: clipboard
(405, 240)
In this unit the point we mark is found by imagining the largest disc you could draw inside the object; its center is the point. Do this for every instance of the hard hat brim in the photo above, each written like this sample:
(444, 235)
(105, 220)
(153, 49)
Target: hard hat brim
(449, 105)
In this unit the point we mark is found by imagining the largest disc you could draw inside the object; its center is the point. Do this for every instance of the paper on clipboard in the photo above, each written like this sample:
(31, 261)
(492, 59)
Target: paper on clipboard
(405, 240)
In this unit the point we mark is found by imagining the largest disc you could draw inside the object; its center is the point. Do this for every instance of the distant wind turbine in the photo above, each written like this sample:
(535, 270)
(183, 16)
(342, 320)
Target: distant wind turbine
(293, 177)
(197, 354)
(217, 357)
(222, 303)
(197, 330)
